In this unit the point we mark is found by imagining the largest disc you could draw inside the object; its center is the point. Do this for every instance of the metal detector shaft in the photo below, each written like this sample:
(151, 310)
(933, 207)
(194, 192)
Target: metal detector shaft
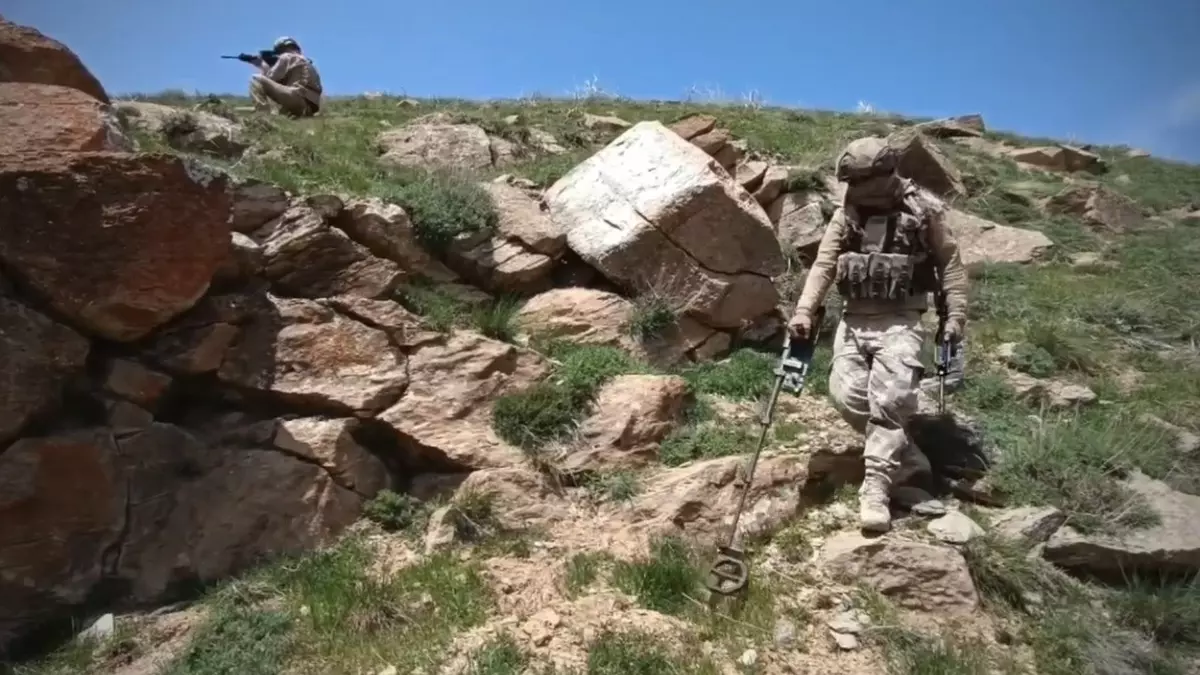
(789, 374)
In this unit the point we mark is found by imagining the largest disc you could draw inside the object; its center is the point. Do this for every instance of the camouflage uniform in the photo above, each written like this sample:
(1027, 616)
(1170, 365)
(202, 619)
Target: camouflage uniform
(887, 248)
(292, 83)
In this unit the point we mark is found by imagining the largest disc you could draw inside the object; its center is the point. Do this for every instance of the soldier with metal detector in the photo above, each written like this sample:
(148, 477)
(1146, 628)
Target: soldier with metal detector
(887, 248)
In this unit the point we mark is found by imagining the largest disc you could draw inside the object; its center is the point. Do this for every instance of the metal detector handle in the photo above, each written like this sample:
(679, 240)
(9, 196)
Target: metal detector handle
(798, 355)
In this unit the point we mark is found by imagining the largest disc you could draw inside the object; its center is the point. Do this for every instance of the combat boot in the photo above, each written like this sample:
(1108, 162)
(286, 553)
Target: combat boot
(874, 513)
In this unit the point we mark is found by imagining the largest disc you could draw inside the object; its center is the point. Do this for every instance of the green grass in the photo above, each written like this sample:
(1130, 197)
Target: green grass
(705, 441)
(397, 512)
(617, 486)
(444, 309)
(550, 410)
(652, 315)
(582, 570)
(501, 656)
(325, 611)
(909, 652)
(745, 375)
(632, 653)
(663, 580)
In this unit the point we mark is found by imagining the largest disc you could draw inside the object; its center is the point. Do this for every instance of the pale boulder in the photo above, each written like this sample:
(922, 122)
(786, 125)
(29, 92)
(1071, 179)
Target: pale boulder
(631, 416)
(652, 210)
(982, 241)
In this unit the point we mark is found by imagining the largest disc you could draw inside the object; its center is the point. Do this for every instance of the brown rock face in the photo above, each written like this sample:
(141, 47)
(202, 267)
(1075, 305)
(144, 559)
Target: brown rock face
(152, 508)
(303, 255)
(633, 414)
(922, 161)
(700, 498)
(60, 508)
(44, 118)
(119, 244)
(26, 55)
(916, 575)
(446, 410)
(38, 356)
(303, 353)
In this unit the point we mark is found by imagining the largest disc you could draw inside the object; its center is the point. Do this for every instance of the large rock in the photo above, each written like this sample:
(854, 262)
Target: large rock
(387, 231)
(800, 222)
(1065, 158)
(982, 241)
(308, 355)
(924, 163)
(1170, 547)
(650, 209)
(963, 126)
(500, 264)
(26, 55)
(188, 130)
(437, 145)
(255, 204)
(521, 218)
(700, 499)
(1099, 207)
(304, 256)
(693, 125)
(590, 316)
(1031, 524)
(146, 512)
(118, 244)
(61, 506)
(915, 575)
(38, 356)
(631, 416)
(446, 412)
(331, 443)
(44, 118)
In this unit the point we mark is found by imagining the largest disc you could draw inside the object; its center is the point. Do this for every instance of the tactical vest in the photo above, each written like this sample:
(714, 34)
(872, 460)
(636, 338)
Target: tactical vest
(885, 256)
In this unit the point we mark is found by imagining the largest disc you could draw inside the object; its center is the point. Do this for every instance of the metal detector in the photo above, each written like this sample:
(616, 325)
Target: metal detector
(729, 573)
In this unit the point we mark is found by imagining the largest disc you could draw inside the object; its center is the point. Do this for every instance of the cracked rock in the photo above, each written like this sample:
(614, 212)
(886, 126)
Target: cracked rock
(652, 211)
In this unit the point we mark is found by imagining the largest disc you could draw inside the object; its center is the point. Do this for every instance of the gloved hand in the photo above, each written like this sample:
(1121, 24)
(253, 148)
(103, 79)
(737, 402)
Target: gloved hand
(800, 326)
(954, 330)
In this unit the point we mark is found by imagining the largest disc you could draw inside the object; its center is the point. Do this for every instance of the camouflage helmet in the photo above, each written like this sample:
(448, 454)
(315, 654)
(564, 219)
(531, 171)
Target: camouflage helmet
(284, 42)
(865, 158)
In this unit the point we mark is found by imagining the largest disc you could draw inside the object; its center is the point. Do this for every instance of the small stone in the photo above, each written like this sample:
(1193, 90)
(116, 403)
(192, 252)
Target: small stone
(954, 528)
(844, 641)
(847, 622)
(748, 658)
(785, 634)
(100, 629)
(390, 670)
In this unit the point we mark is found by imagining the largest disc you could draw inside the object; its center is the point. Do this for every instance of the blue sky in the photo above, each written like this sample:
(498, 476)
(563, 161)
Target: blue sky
(1105, 71)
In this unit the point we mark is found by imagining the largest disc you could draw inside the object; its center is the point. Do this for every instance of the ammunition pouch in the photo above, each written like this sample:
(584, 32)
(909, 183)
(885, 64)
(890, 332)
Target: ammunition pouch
(882, 276)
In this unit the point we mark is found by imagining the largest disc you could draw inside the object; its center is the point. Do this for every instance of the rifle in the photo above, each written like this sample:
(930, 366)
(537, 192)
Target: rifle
(946, 349)
(267, 56)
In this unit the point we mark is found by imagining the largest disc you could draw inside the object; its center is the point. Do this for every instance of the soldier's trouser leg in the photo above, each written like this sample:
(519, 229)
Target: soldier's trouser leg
(886, 350)
(266, 91)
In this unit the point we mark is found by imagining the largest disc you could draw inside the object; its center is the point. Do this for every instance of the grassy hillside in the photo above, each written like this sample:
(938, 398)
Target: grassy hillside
(1124, 323)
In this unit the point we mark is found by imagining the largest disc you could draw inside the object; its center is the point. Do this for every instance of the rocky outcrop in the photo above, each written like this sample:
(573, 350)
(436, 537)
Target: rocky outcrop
(924, 163)
(963, 126)
(445, 413)
(189, 130)
(1099, 207)
(1063, 158)
(304, 255)
(699, 499)
(651, 211)
(52, 118)
(38, 356)
(1170, 547)
(387, 232)
(590, 316)
(800, 220)
(158, 223)
(150, 509)
(26, 55)
(915, 575)
(982, 241)
(631, 416)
